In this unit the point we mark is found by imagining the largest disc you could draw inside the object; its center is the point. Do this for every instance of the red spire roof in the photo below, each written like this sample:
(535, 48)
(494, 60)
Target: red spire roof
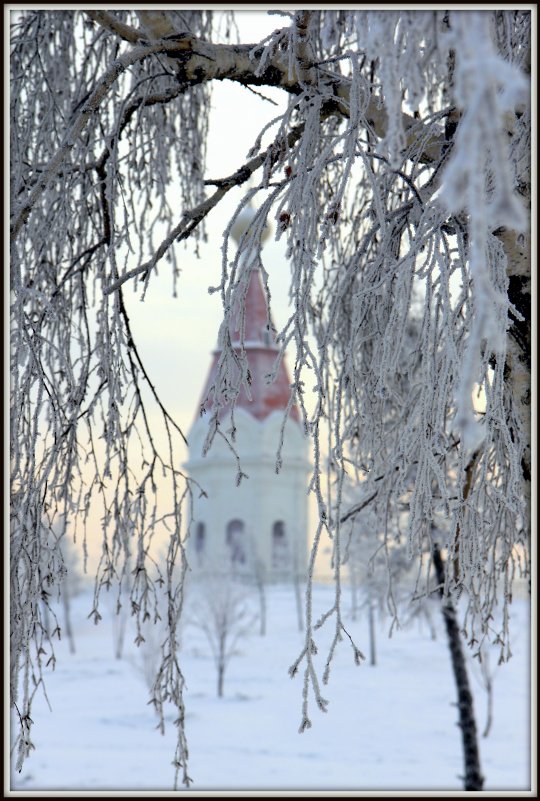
(261, 351)
(256, 315)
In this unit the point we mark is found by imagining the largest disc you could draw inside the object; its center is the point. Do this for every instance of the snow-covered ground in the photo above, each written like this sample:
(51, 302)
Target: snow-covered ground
(389, 727)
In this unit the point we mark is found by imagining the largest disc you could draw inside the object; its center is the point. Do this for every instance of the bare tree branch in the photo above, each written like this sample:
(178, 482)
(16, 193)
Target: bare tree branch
(206, 62)
(110, 23)
(21, 214)
(191, 219)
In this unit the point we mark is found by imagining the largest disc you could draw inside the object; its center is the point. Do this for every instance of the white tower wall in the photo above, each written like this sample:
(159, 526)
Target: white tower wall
(260, 502)
(264, 520)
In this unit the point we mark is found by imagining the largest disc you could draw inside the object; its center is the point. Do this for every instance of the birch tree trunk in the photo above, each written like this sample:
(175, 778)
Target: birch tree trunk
(473, 778)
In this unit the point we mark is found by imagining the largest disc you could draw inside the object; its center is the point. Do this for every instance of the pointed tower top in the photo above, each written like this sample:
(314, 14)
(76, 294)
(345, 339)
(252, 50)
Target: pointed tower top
(259, 344)
(241, 224)
(256, 331)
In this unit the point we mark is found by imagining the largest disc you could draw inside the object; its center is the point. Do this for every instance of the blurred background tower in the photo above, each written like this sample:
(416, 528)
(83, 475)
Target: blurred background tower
(262, 524)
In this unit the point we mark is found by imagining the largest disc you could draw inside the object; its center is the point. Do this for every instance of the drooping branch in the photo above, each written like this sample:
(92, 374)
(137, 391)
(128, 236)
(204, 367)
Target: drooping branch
(133, 348)
(199, 62)
(159, 98)
(21, 214)
(191, 219)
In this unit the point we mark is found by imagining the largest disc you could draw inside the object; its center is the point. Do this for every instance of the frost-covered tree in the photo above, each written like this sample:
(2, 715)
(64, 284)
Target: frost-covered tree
(399, 168)
(378, 575)
(220, 607)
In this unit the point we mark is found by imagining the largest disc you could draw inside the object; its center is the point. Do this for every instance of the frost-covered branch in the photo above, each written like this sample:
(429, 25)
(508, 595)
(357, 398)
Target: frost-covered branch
(114, 25)
(206, 62)
(192, 218)
(22, 213)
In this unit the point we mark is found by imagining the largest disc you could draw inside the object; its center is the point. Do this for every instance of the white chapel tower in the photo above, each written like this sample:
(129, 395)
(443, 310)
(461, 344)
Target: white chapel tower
(265, 518)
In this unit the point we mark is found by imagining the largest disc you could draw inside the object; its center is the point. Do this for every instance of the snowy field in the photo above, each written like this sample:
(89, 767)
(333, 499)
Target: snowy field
(389, 727)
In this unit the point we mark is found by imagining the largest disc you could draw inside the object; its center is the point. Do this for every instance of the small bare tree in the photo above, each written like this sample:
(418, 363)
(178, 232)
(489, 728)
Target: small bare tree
(376, 574)
(255, 571)
(120, 613)
(72, 585)
(220, 608)
(487, 673)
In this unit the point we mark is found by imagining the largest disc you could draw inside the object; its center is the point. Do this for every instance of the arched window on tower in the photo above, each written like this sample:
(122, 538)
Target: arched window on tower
(235, 538)
(200, 542)
(280, 555)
